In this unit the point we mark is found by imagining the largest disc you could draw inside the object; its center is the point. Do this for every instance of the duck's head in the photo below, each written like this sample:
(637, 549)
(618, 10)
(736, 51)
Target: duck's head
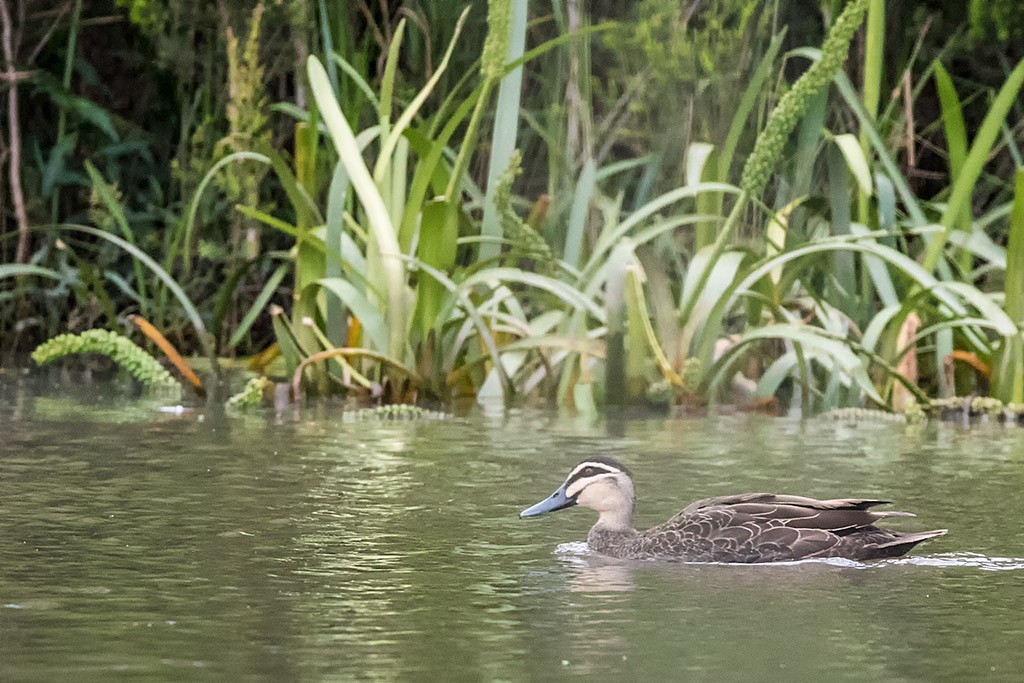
(597, 483)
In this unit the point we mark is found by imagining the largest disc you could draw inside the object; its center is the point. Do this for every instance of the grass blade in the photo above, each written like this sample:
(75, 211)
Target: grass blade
(746, 107)
(856, 160)
(19, 269)
(333, 236)
(373, 323)
(116, 211)
(405, 119)
(1009, 384)
(952, 120)
(578, 214)
(373, 205)
(269, 289)
(184, 247)
(506, 126)
(1015, 255)
(163, 276)
(964, 184)
(874, 56)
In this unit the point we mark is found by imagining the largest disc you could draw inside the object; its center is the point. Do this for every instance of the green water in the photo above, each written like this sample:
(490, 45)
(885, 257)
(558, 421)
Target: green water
(141, 545)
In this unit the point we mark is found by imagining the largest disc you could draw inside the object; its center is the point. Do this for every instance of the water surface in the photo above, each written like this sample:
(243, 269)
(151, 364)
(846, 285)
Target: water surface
(150, 545)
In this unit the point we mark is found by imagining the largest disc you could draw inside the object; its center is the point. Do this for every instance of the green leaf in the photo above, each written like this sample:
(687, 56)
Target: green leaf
(437, 247)
(773, 376)
(952, 120)
(716, 284)
(373, 204)
(84, 108)
(964, 184)
(697, 156)
(357, 79)
(1015, 255)
(286, 341)
(877, 270)
(268, 290)
(188, 235)
(892, 169)
(19, 269)
(751, 94)
(461, 293)
(506, 120)
(405, 119)
(369, 315)
(838, 350)
(161, 274)
(579, 213)
(335, 320)
(116, 211)
(856, 160)
(610, 237)
(1008, 370)
(566, 293)
(113, 207)
(387, 83)
(583, 399)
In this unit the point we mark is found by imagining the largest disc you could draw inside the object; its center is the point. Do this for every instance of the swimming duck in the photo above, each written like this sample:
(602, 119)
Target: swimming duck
(750, 527)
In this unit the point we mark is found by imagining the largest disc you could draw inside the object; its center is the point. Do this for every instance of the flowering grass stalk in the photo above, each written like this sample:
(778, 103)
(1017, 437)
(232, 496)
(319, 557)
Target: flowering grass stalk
(118, 348)
(794, 103)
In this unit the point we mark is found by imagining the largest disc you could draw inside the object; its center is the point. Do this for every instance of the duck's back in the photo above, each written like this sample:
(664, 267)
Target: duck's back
(763, 527)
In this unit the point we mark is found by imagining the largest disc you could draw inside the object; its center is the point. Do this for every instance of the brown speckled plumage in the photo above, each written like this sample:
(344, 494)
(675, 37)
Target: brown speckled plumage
(752, 527)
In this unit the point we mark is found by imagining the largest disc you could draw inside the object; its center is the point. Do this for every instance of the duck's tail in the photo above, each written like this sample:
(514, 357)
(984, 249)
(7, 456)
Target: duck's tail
(902, 544)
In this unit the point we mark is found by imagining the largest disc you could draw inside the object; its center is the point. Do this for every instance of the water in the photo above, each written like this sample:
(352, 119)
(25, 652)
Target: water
(145, 545)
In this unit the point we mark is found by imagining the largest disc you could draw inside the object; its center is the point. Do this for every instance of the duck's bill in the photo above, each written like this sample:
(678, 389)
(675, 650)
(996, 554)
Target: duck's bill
(556, 501)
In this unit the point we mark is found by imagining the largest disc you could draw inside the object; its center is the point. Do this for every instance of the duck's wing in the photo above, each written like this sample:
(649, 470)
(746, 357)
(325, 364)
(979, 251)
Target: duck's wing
(765, 527)
(840, 514)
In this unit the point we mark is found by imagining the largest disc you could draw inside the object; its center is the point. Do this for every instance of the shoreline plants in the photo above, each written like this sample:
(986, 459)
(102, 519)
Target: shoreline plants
(495, 226)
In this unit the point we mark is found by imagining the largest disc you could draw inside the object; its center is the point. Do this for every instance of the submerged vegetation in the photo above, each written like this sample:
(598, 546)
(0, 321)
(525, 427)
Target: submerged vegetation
(588, 205)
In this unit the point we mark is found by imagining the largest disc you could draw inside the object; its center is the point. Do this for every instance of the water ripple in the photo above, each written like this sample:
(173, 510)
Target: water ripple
(578, 551)
(970, 560)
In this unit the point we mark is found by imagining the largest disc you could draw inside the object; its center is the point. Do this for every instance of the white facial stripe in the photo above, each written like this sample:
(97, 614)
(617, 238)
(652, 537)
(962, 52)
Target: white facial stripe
(581, 484)
(597, 465)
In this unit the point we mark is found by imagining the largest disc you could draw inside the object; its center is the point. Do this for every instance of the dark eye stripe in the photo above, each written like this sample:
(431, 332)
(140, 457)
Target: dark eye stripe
(589, 471)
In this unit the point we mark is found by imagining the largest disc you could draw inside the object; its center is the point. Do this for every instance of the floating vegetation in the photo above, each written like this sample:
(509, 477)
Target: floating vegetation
(952, 409)
(984, 408)
(251, 395)
(394, 412)
(123, 351)
(863, 415)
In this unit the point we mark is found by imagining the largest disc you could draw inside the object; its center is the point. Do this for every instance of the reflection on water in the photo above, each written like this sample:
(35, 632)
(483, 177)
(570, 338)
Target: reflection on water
(182, 544)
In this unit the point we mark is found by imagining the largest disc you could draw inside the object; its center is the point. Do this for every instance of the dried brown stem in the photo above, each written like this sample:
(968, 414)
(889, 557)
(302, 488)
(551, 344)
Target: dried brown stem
(48, 33)
(14, 132)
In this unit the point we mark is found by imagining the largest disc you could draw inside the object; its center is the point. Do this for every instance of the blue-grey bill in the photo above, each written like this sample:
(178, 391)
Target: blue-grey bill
(556, 501)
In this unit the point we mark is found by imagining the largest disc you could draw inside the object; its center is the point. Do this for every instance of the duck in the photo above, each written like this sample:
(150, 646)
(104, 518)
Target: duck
(745, 528)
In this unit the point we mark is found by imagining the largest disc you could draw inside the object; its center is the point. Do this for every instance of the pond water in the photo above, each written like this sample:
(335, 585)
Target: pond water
(150, 545)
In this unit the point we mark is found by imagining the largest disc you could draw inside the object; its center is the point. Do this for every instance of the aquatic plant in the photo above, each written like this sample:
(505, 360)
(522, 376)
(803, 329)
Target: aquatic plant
(401, 263)
(117, 347)
(394, 411)
(251, 395)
